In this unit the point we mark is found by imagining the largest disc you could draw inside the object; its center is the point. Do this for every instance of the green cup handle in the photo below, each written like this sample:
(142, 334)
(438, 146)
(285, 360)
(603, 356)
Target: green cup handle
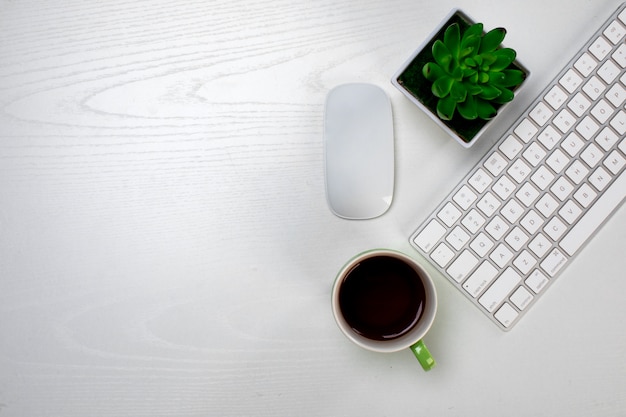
(422, 354)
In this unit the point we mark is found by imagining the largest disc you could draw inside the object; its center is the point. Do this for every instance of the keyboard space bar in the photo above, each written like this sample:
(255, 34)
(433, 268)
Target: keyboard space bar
(594, 217)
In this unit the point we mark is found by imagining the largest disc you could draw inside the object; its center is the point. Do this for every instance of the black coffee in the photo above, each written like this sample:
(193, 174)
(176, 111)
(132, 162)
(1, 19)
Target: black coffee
(382, 298)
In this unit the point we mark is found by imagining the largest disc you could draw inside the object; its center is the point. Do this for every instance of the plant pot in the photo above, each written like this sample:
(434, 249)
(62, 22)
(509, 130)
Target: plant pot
(410, 80)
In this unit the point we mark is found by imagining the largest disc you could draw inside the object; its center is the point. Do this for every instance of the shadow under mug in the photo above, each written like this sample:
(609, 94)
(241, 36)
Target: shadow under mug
(385, 301)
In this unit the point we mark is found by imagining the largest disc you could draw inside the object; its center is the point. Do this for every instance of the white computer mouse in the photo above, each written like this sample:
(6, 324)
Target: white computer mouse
(359, 151)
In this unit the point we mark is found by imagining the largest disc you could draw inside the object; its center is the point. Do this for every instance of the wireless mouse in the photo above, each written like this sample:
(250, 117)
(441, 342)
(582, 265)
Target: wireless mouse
(359, 151)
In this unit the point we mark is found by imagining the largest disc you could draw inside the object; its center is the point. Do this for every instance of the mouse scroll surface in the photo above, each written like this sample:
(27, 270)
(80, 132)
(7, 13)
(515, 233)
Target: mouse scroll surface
(359, 151)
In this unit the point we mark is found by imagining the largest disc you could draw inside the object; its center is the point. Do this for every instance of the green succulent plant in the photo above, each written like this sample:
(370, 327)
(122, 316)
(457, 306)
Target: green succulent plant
(471, 73)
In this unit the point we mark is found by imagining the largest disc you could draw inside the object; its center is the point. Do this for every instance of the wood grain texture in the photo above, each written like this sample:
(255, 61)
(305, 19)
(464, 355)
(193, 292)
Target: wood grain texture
(165, 244)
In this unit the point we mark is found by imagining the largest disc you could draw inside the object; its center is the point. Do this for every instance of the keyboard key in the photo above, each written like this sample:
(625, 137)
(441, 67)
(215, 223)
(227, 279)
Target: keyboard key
(501, 255)
(542, 177)
(480, 180)
(562, 188)
(620, 56)
(577, 172)
(500, 289)
(521, 298)
(503, 187)
(606, 138)
(495, 164)
(506, 315)
(600, 48)
(585, 195)
(614, 32)
(587, 127)
(549, 137)
(457, 238)
(511, 147)
(461, 267)
(473, 221)
(615, 162)
(527, 194)
(541, 114)
(488, 204)
(572, 144)
(481, 245)
(571, 81)
(554, 262)
(556, 97)
(616, 95)
(465, 197)
(540, 245)
(480, 279)
(555, 228)
(519, 170)
(547, 205)
(592, 155)
(512, 211)
(442, 255)
(570, 212)
(536, 281)
(619, 122)
(430, 235)
(534, 154)
(557, 161)
(600, 179)
(609, 72)
(579, 104)
(564, 120)
(531, 222)
(496, 227)
(449, 214)
(602, 111)
(516, 239)
(585, 64)
(526, 130)
(594, 88)
(525, 262)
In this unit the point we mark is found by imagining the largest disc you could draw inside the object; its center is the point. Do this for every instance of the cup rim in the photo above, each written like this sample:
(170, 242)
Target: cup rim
(405, 341)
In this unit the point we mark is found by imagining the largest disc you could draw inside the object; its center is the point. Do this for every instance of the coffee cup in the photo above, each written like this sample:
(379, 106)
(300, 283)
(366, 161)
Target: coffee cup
(385, 301)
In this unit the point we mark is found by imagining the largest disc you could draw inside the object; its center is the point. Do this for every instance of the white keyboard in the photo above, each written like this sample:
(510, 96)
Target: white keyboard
(511, 226)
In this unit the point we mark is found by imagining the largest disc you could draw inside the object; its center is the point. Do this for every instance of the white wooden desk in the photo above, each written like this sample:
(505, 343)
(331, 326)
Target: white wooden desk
(165, 244)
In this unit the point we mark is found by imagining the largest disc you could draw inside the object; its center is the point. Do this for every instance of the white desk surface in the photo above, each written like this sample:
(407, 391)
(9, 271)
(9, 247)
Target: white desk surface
(165, 244)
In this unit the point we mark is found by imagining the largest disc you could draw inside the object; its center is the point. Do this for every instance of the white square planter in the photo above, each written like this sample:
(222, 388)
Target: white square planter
(412, 83)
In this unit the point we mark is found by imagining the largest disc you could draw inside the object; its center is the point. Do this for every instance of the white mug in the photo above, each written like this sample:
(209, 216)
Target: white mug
(385, 301)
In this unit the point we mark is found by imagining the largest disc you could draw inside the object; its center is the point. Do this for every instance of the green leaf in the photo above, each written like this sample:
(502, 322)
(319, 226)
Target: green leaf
(474, 30)
(467, 109)
(458, 92)
(492, 40)
(473, 88)
(484, 77)
(457, 73)
(452, 39)
(432, 71)
(512, 78)
(445, 108)
(505, 96)
(468, 72)
(441, 87)
(470, 41)
(485, 110)
(504, 58)
(442, 55)
(488, 58)
(489, 92)
(470, 62)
